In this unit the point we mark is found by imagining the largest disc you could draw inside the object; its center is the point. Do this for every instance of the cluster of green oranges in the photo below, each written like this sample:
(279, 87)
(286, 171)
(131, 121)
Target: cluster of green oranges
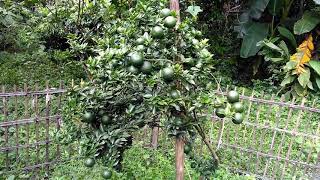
(237, 107)
(136, 61)
(102, 117)
(90, 162)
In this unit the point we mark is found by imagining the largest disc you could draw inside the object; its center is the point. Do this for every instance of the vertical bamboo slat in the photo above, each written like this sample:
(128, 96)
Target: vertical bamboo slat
(36, 115)
(17, 126)
(26, 116)
(5, 118)
(59, 119)
(47, 117)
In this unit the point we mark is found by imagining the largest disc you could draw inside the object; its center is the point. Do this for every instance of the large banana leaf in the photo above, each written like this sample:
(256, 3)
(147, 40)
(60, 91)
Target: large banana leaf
(275, 6)
(257, 8)
(255, 32)
(308, 22)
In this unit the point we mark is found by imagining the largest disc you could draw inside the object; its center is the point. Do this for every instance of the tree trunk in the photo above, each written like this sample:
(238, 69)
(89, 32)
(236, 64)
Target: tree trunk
(174, 6)
(179, 158)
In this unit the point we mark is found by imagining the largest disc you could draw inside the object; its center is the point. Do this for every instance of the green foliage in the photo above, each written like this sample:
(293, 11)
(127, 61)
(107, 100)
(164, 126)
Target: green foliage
(307, 23)
(288, 35)
(275, 51)
(29, 52)
(252, 32)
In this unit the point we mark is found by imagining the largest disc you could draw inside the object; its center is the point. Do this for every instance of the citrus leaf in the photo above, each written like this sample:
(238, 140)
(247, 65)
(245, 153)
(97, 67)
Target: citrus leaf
(308, 22)
(287, 34)
(315, 65)
(255, 33)
(304, 78)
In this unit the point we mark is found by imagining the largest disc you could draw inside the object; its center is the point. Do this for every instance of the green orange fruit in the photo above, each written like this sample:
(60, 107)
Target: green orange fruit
(168, 73)
(136, 59)
(220, 112)
(89, 162)
(170, 22)
(146, 67)
(88, 117)
(107, 174)
(238, 107)
(157, 32)
(238, 118)
(233, 96)
(165, 12)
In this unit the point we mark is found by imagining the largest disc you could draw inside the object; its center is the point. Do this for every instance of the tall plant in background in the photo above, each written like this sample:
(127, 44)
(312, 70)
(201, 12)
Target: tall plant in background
(302, 67)
(282, 43)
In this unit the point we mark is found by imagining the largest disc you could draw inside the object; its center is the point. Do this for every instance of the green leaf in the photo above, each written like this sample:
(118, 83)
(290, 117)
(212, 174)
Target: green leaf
(304, 78)
(289, 66)
(308, 22)
(310, 86)
(256, 32)
(288, 80)
(315, 65)
(194, 10)
(318, 81)
(287, 34)
(299, 89)
(275, 6)
(11, 177)
(257, 8)
(285, 49)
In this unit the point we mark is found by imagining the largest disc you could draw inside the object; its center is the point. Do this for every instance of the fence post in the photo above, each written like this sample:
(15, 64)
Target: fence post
(154, 136)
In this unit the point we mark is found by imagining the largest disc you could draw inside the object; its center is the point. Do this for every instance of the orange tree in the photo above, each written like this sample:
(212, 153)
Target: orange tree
(147, 63)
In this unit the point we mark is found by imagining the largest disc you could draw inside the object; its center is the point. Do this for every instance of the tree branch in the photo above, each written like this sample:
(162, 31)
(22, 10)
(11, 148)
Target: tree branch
(205, 140)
